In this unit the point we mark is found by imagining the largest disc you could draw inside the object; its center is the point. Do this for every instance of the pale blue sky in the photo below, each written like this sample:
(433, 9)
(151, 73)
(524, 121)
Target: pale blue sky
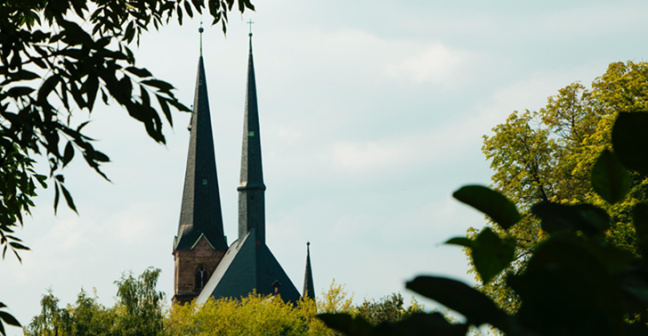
(372, 114)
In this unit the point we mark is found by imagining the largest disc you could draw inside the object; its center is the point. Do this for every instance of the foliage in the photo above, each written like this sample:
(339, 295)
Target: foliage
(387, 309)
(251, 315)
(575, 282)
(336, 299)
(56, 59)
(138, 311)
(562, 154)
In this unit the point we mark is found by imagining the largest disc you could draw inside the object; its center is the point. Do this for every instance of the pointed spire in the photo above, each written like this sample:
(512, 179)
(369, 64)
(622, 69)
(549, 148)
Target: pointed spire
(309, 288)
(251, 188)
(200, 214)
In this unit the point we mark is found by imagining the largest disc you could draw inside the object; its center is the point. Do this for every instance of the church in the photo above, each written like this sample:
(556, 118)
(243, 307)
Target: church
(205, 265)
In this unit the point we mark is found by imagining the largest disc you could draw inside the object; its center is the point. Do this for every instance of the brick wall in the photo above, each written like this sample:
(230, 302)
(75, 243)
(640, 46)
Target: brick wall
(187, 263)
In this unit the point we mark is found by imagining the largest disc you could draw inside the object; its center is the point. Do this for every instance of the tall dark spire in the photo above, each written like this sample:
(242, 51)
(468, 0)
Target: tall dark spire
(309, 288)
(201, 214)
(251, 188)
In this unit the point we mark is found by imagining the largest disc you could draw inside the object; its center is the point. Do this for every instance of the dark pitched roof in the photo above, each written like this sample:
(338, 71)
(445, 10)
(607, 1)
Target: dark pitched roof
(200, 213)
(309, 288)
(245, 267)
(251, 188)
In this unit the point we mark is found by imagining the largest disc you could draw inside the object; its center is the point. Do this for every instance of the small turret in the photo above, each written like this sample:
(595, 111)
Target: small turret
(309, 288)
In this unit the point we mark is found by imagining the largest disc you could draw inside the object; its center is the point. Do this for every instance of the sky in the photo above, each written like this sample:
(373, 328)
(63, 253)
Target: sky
(372, 113)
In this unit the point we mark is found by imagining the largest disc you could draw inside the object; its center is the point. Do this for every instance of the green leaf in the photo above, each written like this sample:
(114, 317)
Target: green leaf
(188, 8)
(462, 241)
(466, 300)
(490, 202)
(18, 246)
(47, 87)
(68, 199)
(56, 197)
(587, 218)
(640, 222)
(24, 75)
(68, 154)
(9, 319)
(630, 140)
(351, 326)
(162, 85)
(91, 88)
(422, 324)
(609, 178)
(490, 254)
(18, 91)
(165, 108)
(637, 288)
(139, 72)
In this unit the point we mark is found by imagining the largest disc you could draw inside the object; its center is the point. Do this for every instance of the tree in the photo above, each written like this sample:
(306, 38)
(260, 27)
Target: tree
(387, 309)
(574, 281)
(547, 156)
(52, 68)
(138, 311)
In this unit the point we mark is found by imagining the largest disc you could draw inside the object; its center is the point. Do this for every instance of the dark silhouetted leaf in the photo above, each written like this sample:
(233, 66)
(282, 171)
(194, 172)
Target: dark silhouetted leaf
(421, 325)
(490, 202)
(490, 254)
(9, 319)
(18, 246)
(351, 326)
(139, 72)
(68, 199)
(609, 178)
(640, 222)
(469, 302)
(630, 140)
(583, 217)
(162, 85)
(18, 91)
(56, 197)
(68, 154)
(462, 241)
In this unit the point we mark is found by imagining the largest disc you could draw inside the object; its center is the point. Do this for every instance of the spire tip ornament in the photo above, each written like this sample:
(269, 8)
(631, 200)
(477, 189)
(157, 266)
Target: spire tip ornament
(201, 30)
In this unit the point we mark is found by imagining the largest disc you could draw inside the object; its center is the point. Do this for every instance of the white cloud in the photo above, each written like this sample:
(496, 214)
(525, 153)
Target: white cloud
(436, 64)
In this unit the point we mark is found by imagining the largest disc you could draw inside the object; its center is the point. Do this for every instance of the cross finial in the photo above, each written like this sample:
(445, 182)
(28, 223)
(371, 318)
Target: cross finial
(250, 23)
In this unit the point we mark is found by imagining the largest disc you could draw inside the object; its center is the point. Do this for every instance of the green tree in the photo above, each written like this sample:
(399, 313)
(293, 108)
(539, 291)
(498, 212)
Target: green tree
(387, 309)
(548, 155)
(56, 59)
(574, 281)
(138, 311)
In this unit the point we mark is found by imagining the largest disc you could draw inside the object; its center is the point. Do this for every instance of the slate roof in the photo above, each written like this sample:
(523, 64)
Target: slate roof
(245, 267)
(251, 188)
(200, 214)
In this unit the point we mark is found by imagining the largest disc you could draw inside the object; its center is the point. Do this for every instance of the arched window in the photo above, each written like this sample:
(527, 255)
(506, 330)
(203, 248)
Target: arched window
(201, 278)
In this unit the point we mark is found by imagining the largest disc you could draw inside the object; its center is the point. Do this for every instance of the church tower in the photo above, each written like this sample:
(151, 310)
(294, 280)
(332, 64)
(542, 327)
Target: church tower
(249, 265)
(200, 244)
(251, 187)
